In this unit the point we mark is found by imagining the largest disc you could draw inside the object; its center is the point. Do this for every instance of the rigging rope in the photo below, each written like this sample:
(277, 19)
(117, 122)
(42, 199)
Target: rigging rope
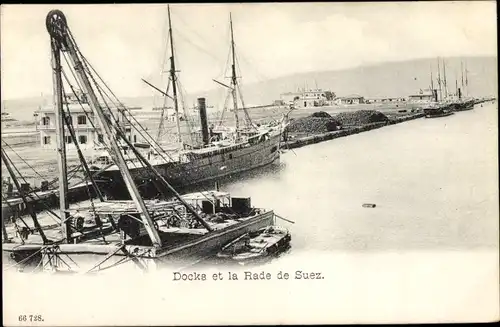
(162, 117)
(69, 124)
(261, 77)
(89, 72)
(228, 94)
(27, 164)
(31, 192)
(187, 119)
(73, 170)
(248, 120)
(200, 48)
(158, 147)
(87, 114)
(149, 136)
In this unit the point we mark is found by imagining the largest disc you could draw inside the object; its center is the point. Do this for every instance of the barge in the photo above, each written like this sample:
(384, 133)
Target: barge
(97, 248)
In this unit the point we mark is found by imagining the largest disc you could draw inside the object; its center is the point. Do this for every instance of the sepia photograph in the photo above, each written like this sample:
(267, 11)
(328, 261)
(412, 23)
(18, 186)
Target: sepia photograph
(249, 163)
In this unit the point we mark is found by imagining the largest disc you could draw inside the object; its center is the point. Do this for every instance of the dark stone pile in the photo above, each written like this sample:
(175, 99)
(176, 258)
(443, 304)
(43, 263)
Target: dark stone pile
(318, 122)
(321, 114)
(361, 117)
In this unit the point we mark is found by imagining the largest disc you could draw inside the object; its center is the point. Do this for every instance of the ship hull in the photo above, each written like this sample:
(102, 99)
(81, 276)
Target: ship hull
(445, 114)
(182, 175)
(83, 257)
(465, 106)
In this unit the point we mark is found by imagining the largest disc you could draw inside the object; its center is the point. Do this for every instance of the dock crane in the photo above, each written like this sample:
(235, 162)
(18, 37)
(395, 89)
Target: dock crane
(63, 41)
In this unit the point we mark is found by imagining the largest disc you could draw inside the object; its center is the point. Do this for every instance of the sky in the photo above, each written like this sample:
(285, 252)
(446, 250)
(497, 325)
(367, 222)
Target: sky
(126, 43)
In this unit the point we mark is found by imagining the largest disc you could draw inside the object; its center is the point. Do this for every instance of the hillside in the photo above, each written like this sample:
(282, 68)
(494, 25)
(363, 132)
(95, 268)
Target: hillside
(386, 79)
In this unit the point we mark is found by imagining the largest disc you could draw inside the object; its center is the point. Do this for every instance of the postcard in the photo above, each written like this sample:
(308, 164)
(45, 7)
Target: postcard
(249, 163)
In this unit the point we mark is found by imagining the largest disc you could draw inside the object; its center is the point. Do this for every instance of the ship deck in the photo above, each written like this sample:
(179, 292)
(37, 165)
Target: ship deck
(170, 236)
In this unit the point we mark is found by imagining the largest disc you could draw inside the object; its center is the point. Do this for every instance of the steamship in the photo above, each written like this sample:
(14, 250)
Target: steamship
(218, 157)
(464, 104)
(223, 152)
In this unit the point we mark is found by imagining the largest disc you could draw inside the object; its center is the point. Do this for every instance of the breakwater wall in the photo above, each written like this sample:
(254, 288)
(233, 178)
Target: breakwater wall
(312, 139)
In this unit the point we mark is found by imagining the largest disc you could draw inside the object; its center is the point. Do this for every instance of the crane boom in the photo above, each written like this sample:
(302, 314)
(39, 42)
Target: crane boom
(62, 41)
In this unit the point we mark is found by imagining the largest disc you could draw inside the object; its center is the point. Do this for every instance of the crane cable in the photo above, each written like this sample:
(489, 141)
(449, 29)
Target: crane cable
(85, 62)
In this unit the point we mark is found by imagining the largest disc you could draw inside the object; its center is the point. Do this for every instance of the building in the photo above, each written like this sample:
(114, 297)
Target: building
(423, 97)
(312, 98)
(386, 100)
(351, 99)
(308, 98)
(84, 124)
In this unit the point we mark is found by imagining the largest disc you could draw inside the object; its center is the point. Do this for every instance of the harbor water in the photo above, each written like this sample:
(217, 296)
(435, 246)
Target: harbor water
(434, 183)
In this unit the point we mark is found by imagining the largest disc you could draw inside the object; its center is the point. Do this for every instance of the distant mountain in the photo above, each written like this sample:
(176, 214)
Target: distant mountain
(391, 79)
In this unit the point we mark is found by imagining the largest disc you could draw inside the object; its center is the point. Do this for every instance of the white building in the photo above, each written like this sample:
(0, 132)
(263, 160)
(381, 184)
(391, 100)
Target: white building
(308, 98)
(424, 96)
(84, 123)
(312, 98)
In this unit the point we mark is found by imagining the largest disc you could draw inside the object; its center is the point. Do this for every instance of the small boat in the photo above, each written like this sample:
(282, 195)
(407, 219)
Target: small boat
(369, 205)
(257, 245)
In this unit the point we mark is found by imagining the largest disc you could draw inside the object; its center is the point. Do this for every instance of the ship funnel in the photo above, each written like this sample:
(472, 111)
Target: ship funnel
(435, 95)
(203, 119)
(459, 93)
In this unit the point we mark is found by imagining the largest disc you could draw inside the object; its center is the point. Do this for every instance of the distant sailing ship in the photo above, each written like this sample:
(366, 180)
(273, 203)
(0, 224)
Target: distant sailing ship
(464, 102)
(445, 105)
(223, 152)
(6, 117)
(457, 101)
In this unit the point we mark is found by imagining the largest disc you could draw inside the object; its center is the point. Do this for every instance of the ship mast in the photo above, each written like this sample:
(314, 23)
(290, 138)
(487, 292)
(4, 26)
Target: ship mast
(462, 71)
(466, 80)
(432, 81)
(60, 34)
(439, 83)
(173, 78)
(234, 81)
(445, 81)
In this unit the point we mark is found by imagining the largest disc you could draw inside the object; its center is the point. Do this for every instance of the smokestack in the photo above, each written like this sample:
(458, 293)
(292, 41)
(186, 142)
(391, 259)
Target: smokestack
(203, 120)
(435, 93)
(459, 93)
